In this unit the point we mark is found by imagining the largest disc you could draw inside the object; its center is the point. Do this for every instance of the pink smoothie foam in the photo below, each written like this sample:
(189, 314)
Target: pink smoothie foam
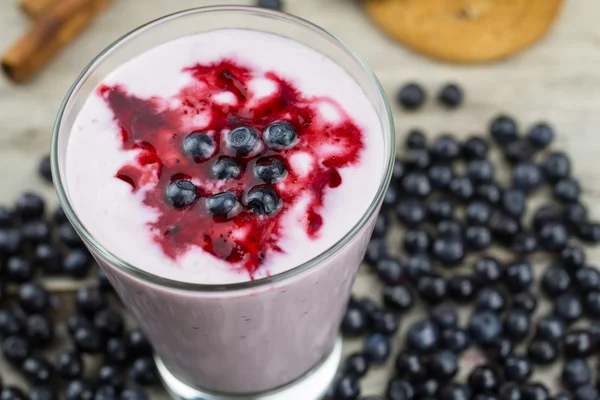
(128, 147)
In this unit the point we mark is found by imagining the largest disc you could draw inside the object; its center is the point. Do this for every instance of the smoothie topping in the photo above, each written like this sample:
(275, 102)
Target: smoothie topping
(223, 162)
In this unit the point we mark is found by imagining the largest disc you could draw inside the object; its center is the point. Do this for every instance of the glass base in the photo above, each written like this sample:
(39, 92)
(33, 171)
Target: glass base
(312, 386)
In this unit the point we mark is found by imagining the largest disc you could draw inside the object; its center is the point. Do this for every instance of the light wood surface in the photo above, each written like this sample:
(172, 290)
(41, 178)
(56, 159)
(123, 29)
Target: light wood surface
(557, 80)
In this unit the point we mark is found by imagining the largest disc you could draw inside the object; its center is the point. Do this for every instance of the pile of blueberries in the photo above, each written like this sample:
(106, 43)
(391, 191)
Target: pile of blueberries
(447, 214)
(33, 248)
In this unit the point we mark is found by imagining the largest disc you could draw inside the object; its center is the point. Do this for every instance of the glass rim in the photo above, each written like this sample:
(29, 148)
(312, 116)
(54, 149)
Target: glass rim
(130, 269)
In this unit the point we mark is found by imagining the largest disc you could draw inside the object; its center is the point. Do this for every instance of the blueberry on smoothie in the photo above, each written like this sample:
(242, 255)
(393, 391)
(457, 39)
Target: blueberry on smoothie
(199, 146)
(242, 140)
(222, 204)
(263, 200)
(181, 193)
(270, 170)
(280, 135)
(226, 168)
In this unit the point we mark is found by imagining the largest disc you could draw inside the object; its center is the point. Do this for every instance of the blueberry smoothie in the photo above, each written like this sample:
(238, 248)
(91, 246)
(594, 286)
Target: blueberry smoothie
(222, 158)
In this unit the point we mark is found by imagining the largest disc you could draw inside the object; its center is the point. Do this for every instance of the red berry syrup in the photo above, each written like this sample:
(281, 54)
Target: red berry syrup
(156, 128)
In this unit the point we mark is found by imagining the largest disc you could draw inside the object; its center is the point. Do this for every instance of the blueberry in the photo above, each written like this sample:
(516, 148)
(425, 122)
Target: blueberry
(59, 216)
(279, 136)
(410, 366)
(445, 148)
(389, 270)
(450, 96)
(449, 251)
(143, 371)
(478, 212)
(589, 232)
(461, 288)
(116, 351)
(579, 343)
(576, 373)
(90, 300)
(426, 390)
(556, 166)
(454, 391)
(79, 390)
(445, 315)
(12, 322)
(527, 177)
(574, 216)
(504, 130)
(545, 215)
(499, 350)
(432, 289)
(377, 348)
(35, 231)
(18, 270)
(263, 200)
(534, 391)
(440, 176)
(411, 96)
(68, 236)
(524, 243)
(356, 364)
(553, 236)
(69, 365)
(87, 339)
(587, 279)
(138, 343)
(443, 365)
(398, 298)
(551, 328)
(181, 193)
(199, 146)
(483, 378)
(567, 190)
(487, 270)
(489, 192)
(475, 148)
(573, 257)
(542, 352)
(416, 184)
(485, 327)
(417, 241)
(37, 370)
(48, 257)
(346, 388)
(270, 169)
(540, 135)
(111, 375)
(519, 151)
(109, 323)
(419, 265)
(376, 250)
(384, 321)
(226, 168)
(440, 210)
(517, 369)
(42, 393)
(16, 349)
(411, 212)
(29, 206)
(517, 324)
(415, 139)
(399, 389)
(456, 340)
(586, 392)
(514, 202)
(223, 205)
(478, 237)
(39, 329)
(568, 306)
(490, 299)
(462, 188)
(518, 276)
(134, 394)
(106, 392)
(33, 298)
(423, 336)
(591, 303)
(272, 5)
(555, 281)
(12, 393)
(76, 263)
(481, 171)
(382, 224)
(417, 159)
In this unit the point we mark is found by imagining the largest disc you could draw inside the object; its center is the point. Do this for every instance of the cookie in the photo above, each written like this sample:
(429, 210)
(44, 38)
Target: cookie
(465, 31)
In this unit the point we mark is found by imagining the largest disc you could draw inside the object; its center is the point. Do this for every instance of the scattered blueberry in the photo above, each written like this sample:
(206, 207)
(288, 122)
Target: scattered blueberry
(263, 200)
(556, 166)
(579, 343)
(33, 298)
(106, 392)
(517, 369)
(568, 306)
(18, 270)
(553, 236)
(445, 315)
(415, 139)
(382, 224)
(432, 289)
(419, 265)
(29, 206)
(37, 370)
(16, 349)
(411, 96)
(423, 336)
(542, 352)
(478, 237)
(534, 391)
(443, 365)
(69, 365)
(481, 171)
(478, 212)
(456, 340)
(440, 176)
(384, 321)
(68, 236)
(516, 325)
(555, 281)
(450, 96)
(445, 148)
(540, 135)
(489, 193)
(12, 393)
(389, 270)
(398, 298)
(79, 390)
(491, 299)
(226, 168)
(181, 193)
(573, 257)
(449, 251)
(270, 169)
(417, 159)
(222, 204)
(483, 378)
(524, 243)
(43, 393)
(416, 184)
(527, 177)
(487, 270)
(399, 389)
(39, 329)
(485, 327)
(77, 263)
(514, 202)
(90, 300)
(279, 136)
(567, 190)
(504, 130)
(35, 231)
(377, 348)
(11, 322)
(111, 375)
(138, 343)
(143, 371)
(200, 146)
(346, 388)
(109, 323)
(462, 188)
(410, 366)
(518, 276)
(551, 328)
(519, 151)
(356, 364)
(499, 350)
(576, 373)
(417, 241)
(461, 288)
(116, 351)
(411, 212)
(48, 257)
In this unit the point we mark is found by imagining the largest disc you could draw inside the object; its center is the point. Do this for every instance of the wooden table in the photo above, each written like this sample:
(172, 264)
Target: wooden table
(557, 80)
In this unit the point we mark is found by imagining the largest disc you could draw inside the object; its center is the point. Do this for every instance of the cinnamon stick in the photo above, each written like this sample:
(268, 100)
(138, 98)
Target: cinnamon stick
(50, 32)
(35, 8)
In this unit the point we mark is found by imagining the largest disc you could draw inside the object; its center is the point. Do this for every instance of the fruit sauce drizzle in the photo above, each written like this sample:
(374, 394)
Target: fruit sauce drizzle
(157, 127)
